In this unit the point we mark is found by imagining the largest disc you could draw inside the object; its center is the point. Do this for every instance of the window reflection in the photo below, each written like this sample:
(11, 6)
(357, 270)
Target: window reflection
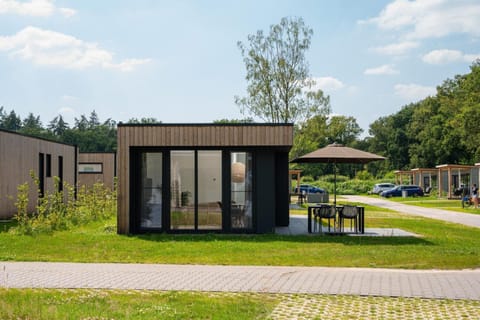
(242, 190)
(151, 190)
(210, 190)
(182, 180)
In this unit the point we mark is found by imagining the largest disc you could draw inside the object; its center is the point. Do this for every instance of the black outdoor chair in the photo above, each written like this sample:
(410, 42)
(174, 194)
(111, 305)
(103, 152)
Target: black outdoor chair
(349, 213)
(323, 212)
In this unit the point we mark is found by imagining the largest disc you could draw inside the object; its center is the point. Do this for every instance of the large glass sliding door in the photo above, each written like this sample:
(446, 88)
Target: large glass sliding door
(151, 190)
(196, 190)
(210, 190)
(182, 190)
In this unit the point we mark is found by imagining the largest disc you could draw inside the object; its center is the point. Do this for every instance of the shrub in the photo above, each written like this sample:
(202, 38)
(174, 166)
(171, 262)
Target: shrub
(59, 210)
(363, 175)
(307, 179)
(331, 178)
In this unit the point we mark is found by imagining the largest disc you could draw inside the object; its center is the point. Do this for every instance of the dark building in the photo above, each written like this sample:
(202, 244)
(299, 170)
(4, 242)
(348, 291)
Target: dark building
(203, 177)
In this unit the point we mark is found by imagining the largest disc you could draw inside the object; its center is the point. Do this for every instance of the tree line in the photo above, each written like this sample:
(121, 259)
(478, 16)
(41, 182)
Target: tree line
(89, 133)
(441, 129)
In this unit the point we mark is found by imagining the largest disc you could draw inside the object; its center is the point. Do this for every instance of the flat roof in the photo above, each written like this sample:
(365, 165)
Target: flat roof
(35, 137)
(455, 166)
(204, 124)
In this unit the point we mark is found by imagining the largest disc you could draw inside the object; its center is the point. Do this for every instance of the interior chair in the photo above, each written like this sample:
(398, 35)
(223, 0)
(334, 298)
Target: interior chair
(238, 216)
(349, 213)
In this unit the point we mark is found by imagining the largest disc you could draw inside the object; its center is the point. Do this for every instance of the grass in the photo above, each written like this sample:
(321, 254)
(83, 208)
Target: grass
(135, 304)
(433, 202)
(441, 245)
(109, 304)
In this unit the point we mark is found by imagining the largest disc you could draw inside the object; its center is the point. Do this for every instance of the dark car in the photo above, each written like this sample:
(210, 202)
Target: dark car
(306, 188)
(398, 191)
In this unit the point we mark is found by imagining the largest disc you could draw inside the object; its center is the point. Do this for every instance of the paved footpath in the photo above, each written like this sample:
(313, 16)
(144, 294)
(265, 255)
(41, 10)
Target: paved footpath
(455, 284)
(468, 219)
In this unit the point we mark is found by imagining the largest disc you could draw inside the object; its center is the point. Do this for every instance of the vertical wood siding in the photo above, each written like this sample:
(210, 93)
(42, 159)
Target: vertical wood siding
(19, 155)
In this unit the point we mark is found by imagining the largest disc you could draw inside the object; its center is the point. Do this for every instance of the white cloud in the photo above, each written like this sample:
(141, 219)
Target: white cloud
(444, 56)
(66, 111)
(413, 92)
(397, 48)
(36, 8)
(327, 84)
(422, 19)
(50, 48)
(386, 69)
(67, 12)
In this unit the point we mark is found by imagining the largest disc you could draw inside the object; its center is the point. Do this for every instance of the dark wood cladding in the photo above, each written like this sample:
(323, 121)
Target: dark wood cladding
(207, 135)
(278, 136)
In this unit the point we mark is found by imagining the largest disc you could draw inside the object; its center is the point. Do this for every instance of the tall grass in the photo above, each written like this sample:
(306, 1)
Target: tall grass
(62, 210)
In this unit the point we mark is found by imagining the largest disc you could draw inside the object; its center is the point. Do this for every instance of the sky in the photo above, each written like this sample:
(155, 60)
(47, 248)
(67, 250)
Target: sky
(178, 61)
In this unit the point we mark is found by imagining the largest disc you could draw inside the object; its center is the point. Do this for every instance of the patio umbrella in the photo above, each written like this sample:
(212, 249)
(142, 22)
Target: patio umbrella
(337, 153)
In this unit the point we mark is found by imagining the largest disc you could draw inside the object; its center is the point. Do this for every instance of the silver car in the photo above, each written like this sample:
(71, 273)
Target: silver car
(379, 187)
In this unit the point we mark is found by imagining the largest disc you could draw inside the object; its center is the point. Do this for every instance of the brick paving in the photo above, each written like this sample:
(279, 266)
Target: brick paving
(452, 284)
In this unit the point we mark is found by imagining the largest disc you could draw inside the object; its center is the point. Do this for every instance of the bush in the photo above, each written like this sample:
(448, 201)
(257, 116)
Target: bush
(346, 185)
(307, 179)
(363, 175)
(331, 178)
(60, 210)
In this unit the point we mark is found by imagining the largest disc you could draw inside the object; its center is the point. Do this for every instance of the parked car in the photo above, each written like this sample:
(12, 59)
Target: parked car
(306, 188)
(379, 187)
(411, 190)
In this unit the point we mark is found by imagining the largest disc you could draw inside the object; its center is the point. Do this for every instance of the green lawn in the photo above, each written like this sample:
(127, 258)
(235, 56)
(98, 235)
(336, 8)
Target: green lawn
(133, 304)
(433, 202)
(441, 245)
(108, 304)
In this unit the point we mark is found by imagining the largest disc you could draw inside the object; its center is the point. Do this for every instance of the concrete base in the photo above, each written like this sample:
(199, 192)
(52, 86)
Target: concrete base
(298, 226)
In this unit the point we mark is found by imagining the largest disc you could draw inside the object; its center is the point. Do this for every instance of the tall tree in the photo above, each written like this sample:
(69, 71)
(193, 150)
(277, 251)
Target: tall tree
(81, 124)
(93, 121)
(279, 84)
(58, 126)
(343, 130)
(32, 125)
(11, 121)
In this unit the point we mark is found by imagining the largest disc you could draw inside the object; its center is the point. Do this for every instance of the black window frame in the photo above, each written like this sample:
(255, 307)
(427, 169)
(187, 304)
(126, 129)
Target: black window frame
(90, 163)
(48, 165)
(134, 206)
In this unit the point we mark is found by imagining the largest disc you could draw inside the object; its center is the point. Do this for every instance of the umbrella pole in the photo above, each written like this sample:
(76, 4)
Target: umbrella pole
(334, 185)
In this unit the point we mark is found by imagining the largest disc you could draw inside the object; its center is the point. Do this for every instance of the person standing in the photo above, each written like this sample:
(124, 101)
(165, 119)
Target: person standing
(475, 195)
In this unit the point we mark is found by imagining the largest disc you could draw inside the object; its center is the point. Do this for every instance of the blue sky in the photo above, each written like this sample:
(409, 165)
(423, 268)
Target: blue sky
(178, 61)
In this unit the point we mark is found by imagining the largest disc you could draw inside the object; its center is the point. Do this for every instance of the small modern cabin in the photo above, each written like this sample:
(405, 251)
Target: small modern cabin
(20, 155)
(203, 177)
(97, 167)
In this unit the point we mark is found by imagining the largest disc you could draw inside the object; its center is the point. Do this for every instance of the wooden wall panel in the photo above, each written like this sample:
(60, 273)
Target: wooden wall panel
(19, 155)
(107, 159)
(212, 135)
